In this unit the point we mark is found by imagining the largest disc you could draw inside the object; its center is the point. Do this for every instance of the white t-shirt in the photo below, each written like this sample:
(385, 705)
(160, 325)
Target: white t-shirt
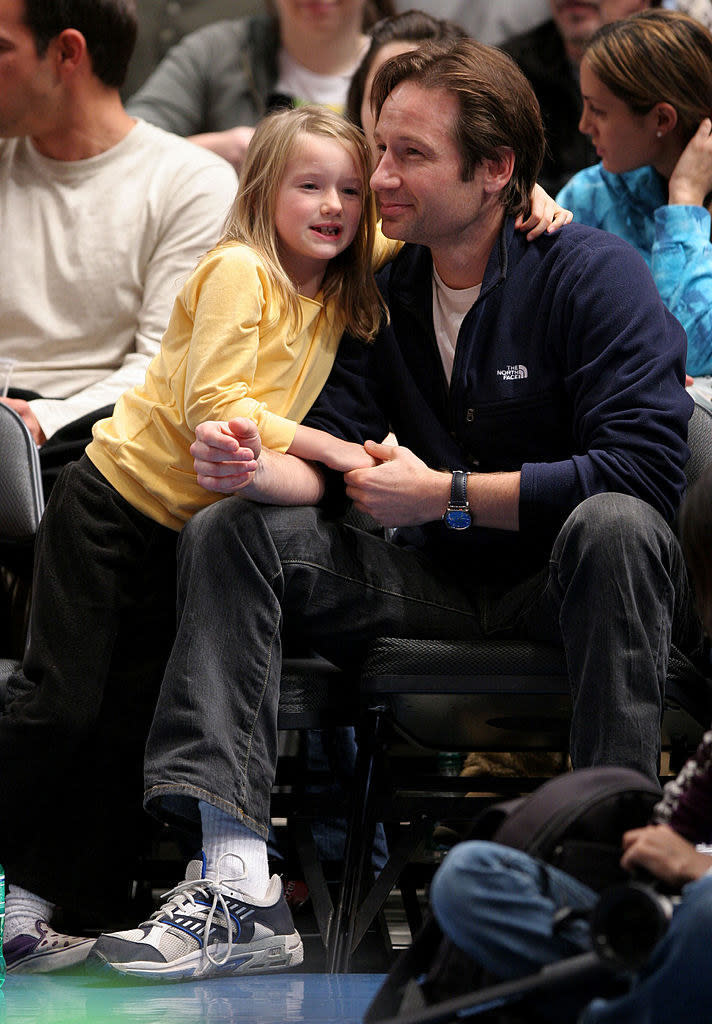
(305, 86)
(450, 306)
(94, 253)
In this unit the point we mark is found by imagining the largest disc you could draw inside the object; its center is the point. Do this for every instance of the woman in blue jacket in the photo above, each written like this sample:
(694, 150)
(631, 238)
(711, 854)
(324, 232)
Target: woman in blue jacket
(646, 83)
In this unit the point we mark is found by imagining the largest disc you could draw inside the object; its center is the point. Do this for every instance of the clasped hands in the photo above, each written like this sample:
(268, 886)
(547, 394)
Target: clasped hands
(388, 482)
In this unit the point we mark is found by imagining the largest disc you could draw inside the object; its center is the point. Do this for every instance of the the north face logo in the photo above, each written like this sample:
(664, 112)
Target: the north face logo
(513, 373)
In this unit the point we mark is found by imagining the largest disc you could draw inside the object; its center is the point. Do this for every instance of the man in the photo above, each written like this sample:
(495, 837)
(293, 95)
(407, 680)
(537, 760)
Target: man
(549, 56)
(102, 217)
(541, 417)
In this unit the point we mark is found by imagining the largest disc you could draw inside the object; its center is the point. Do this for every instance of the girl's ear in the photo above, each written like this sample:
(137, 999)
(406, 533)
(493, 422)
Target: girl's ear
(665, 117)
(499, 170)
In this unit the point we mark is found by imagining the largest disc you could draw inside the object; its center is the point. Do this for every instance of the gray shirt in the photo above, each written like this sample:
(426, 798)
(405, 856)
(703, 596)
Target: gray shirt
(221, 76)
(163, 23)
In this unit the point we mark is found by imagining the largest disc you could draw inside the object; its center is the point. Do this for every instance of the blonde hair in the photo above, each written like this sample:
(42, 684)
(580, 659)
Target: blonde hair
(656, 56)
(349, 284)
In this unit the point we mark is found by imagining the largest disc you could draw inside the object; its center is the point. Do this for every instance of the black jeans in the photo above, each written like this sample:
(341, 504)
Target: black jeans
(614, 595)
(72, 739)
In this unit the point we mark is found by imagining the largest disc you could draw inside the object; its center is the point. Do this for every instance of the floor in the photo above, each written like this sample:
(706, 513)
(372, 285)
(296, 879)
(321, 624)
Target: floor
(263, 999)
(71, 997)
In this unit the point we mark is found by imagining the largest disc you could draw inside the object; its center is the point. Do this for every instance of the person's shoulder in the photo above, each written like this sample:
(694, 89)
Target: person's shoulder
(584, 237)
(159, 139)
(573, 248)
(591, 252)
(234, 258)
(593, 175)
(229, 33)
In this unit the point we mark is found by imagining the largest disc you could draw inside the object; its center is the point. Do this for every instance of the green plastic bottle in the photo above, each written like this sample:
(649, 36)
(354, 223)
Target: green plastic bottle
(2, 923)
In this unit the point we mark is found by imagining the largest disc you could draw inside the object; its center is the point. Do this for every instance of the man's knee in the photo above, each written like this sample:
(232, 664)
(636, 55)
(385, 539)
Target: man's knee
(610, 524)
(235, 515)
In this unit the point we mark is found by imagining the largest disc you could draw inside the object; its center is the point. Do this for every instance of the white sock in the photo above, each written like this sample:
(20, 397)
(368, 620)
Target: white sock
(233, 851)
(22, 911)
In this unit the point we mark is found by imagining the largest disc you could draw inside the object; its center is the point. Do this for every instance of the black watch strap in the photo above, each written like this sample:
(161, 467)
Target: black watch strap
(457, 514)
(458, 489)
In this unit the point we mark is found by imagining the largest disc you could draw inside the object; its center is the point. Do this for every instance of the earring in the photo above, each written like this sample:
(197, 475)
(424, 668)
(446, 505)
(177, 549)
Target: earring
(659, 135)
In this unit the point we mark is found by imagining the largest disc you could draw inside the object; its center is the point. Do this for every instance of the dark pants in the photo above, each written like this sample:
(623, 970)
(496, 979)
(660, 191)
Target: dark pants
(67, 444)
(16, 557)
(615, 593)
(72, 739)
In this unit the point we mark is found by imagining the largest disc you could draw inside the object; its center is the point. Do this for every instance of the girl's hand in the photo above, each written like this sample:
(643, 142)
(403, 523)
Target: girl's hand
(691, 180)
(545, 215)
(225, 454)
(344, 456)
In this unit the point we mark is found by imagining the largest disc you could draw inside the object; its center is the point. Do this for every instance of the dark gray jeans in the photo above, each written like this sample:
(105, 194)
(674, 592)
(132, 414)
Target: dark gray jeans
(615, 594)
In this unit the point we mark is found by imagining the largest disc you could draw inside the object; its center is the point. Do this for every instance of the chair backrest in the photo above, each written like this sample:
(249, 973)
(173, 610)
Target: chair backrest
(699, 441)
(21, 494)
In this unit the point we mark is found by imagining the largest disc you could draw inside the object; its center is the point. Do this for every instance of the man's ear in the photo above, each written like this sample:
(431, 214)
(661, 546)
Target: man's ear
(69, 49)
(499, 170)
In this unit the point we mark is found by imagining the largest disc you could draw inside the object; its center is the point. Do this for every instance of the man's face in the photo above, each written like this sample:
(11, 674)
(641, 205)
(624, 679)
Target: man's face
(577, 20)
(27, 82)
(418, 180)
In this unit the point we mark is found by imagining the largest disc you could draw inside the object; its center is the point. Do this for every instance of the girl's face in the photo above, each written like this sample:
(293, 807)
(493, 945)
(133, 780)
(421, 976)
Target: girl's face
(623, 140)
(318, 209)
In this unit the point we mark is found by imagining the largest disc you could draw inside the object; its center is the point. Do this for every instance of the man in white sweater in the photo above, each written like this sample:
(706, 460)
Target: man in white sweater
(102, 217)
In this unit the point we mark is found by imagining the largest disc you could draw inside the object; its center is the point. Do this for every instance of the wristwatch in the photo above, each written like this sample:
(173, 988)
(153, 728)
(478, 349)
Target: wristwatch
(457, 514)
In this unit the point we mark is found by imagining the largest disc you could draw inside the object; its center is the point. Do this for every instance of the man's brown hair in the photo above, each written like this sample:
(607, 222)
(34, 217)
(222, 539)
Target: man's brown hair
(497, 108)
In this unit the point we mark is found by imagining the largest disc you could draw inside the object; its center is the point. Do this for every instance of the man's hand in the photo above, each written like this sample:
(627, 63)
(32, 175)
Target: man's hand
(31, 422)
(225, 454)
(401, 490)
(664, 853)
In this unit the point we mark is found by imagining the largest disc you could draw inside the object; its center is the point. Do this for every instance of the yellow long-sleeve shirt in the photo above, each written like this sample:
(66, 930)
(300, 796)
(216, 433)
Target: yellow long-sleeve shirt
(218, 360)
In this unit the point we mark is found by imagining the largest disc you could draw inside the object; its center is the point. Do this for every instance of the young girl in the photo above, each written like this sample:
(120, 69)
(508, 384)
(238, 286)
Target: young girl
(253, 333)
(255, 330)
(646, 83)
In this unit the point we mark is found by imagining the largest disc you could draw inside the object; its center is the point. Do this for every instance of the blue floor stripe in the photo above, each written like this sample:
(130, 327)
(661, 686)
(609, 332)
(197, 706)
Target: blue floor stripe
(262, 999)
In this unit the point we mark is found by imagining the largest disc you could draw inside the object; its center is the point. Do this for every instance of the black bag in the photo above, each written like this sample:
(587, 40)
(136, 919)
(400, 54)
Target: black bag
(575, 822)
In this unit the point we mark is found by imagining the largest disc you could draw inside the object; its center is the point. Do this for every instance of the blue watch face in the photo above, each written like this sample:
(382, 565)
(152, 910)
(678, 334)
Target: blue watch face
(458, 518)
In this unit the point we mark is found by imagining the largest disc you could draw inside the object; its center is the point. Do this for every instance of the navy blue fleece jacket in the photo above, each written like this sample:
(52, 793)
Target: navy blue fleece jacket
(568, 367)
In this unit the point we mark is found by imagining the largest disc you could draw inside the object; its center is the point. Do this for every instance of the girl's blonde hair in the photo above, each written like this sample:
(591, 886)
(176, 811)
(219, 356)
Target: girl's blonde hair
(653, 57)
(349, 284)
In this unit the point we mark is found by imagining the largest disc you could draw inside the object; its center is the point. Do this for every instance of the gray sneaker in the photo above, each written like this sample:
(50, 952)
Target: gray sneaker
(206, 928)
(44, 951)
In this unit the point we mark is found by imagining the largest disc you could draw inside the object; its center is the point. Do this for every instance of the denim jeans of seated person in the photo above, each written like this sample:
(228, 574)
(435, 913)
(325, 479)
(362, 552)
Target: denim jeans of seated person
(614, 594)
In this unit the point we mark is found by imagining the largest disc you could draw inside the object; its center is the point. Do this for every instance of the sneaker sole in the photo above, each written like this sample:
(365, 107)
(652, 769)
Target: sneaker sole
(47, 961)
(273, 954)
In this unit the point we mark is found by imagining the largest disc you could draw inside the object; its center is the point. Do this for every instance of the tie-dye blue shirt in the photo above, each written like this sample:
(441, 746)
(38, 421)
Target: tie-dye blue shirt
(673, 240)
